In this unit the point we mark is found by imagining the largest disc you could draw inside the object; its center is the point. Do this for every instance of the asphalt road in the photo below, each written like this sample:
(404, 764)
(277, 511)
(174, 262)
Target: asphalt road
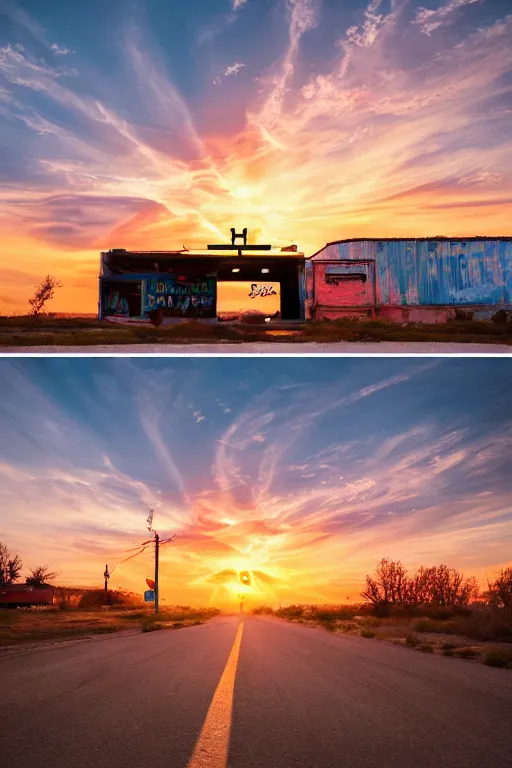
(274, 348)
(277, 695)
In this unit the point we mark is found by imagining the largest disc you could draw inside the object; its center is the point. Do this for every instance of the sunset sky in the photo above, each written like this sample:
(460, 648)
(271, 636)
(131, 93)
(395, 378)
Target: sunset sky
(304, 471)
(156, 124)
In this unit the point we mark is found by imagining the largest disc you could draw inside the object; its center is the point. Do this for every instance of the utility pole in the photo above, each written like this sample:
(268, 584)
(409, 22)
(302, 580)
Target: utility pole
(157, 544)
(106, 576)
(157, 548)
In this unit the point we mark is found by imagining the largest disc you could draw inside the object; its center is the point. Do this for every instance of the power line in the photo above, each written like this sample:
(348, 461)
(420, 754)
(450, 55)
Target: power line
(130, 557)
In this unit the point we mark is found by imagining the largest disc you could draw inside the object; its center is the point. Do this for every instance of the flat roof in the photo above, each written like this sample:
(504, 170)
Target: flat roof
(439, 238)
(214, 254)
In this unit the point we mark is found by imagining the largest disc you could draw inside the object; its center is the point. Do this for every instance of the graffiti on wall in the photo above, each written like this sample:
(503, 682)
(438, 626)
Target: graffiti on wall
(179, 298)
(434, 272)
(116, 304)
(261, 290)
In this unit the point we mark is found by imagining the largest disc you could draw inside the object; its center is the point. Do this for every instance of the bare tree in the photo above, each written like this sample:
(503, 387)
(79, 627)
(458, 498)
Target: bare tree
(10, 567)
(390, 587)
(499, 591)
(438, 585)
(45, 291)
(447, 587)
(41, 575)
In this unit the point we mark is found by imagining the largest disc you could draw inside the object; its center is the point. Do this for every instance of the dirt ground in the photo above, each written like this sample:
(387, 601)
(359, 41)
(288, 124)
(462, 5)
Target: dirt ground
(33, 626)
(29, 332)
(401, 632)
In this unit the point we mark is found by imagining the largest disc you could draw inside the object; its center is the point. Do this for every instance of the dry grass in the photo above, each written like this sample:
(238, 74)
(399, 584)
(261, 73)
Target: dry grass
(47, 330)
(499, 657)
(465, 633)
(33, 626)
(26, 626)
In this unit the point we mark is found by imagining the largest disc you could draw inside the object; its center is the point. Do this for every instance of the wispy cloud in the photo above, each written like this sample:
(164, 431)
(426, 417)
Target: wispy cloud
(357, 118)
(60, 50)
(430, 19)
(365, 34)
(233, 69)
(339, 469)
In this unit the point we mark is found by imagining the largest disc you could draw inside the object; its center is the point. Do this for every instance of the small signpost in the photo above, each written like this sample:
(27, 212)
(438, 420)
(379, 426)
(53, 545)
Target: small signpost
(149, 596)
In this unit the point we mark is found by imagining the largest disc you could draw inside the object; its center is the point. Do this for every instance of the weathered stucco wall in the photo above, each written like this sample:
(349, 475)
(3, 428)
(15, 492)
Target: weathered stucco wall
(432, 272)
(347, 285)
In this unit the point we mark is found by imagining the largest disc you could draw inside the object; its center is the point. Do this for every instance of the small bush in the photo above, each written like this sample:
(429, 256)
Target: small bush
(331, 612)
(449, 647)
(485, 624)
(263, 610)
(440, 626)
(367, 633)
(151, 625)
(422, 626)
(291, 612)
(412, 641)
(92, 599)
(425, 649)
(8, 617)
(465, 653)
(448, 652)
(499, 657)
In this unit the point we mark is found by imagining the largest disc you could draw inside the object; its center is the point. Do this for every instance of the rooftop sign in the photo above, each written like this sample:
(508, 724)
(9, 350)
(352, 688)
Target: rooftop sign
(239, 247)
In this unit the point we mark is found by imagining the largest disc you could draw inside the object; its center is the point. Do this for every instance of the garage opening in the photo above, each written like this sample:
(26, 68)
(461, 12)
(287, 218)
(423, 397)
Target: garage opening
(236, 296)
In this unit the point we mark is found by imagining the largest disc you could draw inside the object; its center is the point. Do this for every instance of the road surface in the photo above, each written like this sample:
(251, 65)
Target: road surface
(255, 694)
(273, 348)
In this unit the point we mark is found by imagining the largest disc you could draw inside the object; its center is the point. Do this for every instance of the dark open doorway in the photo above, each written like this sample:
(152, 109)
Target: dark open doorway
(122, 299)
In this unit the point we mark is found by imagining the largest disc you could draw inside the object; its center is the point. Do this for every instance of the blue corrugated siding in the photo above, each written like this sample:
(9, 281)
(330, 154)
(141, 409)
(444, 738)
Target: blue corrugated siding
(435, 272)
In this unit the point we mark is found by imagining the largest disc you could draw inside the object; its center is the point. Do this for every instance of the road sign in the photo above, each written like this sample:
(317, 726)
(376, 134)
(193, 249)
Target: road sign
(149, 596)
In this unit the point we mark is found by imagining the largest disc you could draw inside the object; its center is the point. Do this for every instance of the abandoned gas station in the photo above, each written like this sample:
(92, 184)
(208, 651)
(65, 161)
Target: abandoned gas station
(221, 282)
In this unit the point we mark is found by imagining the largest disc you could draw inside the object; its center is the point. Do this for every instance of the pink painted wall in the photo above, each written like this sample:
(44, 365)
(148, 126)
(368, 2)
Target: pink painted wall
(344, 292)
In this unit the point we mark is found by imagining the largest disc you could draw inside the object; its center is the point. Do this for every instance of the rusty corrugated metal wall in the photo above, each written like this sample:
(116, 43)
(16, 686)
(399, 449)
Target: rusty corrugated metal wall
(430, 272)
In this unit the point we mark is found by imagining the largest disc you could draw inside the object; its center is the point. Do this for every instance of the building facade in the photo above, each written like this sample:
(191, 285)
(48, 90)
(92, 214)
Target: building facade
(221, 281)
(419, 280)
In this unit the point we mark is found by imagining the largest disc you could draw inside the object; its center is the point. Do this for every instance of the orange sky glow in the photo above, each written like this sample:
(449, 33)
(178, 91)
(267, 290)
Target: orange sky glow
(401, 128)
(305, 472)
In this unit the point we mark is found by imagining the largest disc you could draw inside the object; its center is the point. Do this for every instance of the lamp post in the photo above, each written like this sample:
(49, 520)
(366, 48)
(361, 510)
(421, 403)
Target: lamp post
(106, 576)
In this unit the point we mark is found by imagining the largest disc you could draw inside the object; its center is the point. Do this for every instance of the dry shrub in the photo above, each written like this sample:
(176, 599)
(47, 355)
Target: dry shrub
(330, 612)
(485, 624)
(425, 649)
(187, 613)
(499, 657)
(151, 625)
(291, 611)
(465, 653)
(252, 317)
(95, 598)
(439, 627)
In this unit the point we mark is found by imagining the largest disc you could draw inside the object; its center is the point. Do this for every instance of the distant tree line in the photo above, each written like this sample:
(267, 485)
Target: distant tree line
(437, 586)
(11, 567)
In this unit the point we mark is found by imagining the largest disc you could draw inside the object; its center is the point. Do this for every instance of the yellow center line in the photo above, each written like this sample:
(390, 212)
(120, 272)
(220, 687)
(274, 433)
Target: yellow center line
(212, 746)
